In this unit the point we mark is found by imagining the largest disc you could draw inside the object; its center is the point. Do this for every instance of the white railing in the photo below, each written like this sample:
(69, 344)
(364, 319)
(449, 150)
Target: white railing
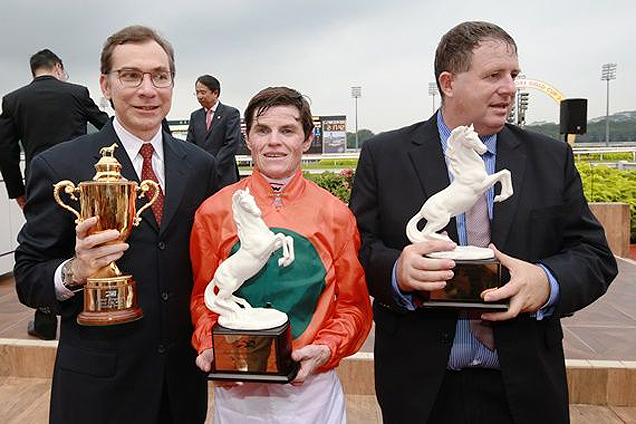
(578, 151)
(246, 160)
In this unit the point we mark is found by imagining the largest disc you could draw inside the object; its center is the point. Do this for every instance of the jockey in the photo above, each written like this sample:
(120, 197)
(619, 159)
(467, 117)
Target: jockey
(323, 291)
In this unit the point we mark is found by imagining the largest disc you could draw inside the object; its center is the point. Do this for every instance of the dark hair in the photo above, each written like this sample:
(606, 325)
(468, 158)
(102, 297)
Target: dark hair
(455, 50)
(44, 59)
(279, 96)
(136, 34)
(212, 83)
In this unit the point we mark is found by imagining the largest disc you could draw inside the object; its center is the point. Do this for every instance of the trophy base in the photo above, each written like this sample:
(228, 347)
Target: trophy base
(98, 319)
(110, 301)
(259, 356)
(464, 290)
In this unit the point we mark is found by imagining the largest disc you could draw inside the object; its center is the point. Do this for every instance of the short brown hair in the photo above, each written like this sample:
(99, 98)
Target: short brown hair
(454, 52)
(136, 34)
(279, 96)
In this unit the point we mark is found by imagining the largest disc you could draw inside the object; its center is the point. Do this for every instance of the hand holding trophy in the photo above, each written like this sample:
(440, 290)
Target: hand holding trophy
(476, 269)
(250, 344)
(110, 297)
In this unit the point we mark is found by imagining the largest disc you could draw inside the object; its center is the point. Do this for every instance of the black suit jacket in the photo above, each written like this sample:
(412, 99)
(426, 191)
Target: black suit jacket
(221, 140)
(547, 220)
(42, 114)
(116, 374)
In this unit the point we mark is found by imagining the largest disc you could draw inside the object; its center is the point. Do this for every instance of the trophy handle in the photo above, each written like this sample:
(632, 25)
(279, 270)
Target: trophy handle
(144, 187)
(72, 191)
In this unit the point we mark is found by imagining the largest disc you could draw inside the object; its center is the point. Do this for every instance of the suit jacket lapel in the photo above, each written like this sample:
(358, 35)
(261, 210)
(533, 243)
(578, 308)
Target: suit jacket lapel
(428, 160)
(177, 177)
(511, 156)
(198, 120)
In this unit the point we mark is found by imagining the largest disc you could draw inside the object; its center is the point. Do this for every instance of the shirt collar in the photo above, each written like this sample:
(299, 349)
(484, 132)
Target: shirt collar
(132, 143)
(282, 182)
(261, 188)
(444, 132)
(213, 108)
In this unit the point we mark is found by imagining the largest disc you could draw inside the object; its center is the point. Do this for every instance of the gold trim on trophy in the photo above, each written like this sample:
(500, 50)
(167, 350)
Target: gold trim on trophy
(110, 297)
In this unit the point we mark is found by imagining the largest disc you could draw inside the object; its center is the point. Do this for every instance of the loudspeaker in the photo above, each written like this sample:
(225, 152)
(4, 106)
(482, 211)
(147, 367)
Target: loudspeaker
(573, 116)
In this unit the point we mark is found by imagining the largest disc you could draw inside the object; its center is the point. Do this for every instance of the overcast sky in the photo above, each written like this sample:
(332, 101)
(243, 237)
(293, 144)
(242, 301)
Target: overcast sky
(323, 48)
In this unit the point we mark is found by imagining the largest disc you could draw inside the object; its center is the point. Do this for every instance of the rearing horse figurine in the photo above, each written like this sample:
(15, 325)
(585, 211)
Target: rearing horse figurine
(470, 181)
(258, 242)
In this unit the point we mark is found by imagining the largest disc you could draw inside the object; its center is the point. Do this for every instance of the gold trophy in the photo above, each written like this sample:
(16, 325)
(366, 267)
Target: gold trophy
(110, 297)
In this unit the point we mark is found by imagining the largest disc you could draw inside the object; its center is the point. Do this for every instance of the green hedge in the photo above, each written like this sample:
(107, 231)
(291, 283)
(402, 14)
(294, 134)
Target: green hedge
(600, 184)
(603, 184)
(337, 183)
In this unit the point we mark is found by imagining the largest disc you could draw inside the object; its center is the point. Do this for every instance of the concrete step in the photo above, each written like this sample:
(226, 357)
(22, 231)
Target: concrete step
(26, 400)
(591, 382)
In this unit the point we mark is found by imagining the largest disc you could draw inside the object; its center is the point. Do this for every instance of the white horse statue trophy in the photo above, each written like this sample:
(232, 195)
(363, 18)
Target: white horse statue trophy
(257, 245)
(469, 181)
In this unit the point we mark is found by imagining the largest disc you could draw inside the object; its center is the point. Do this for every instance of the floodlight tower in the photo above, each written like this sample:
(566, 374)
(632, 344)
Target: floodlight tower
(433, 91)
(608, 72)
(356, 93)
(522, 107)
(511, 115)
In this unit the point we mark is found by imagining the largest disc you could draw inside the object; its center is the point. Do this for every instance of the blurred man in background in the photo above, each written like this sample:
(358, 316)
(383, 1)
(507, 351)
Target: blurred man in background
(40, 115)
(216, 128)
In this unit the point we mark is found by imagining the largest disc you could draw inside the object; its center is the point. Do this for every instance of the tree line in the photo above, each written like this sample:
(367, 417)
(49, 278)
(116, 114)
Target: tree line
(622, 128)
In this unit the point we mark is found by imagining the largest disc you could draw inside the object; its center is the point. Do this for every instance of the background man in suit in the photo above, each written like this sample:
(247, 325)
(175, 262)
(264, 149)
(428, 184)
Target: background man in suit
(42, 114)
(216, 128)
(142, 371)
(433, 365)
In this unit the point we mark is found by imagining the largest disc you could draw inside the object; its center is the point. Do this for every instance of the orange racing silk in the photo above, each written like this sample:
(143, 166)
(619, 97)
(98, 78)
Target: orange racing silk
(339, 313)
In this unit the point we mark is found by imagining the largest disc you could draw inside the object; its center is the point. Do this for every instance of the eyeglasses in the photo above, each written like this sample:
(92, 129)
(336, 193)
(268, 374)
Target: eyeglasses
(132, 78)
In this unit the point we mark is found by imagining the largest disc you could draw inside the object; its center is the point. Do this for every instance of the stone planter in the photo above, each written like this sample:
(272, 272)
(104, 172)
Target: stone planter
(615, 219)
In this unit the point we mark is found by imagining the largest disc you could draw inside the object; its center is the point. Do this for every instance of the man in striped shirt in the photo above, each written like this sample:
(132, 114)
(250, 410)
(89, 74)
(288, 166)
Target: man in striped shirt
(433, 365)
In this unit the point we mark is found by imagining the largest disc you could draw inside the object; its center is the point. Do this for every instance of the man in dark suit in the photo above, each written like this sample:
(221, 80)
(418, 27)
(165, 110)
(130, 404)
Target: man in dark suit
(216, 128)
(42, 114)
(141, 371)
(433, 365)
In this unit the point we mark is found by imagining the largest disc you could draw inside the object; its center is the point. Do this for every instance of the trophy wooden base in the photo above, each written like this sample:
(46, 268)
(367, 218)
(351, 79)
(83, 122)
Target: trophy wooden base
(262, 356)
(110, 301)
(97, 319)
(464, 290)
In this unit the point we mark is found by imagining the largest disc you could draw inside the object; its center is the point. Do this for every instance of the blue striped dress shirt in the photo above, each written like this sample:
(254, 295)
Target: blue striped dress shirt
(467, 351)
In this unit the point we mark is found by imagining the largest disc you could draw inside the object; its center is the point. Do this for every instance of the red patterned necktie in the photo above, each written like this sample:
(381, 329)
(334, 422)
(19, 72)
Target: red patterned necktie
(208, 119)
(148, 173)
(478, 234)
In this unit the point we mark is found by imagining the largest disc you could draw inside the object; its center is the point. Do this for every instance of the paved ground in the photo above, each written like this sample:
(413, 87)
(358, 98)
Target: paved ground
(607, 328)
(604, 330)
(26, 400)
